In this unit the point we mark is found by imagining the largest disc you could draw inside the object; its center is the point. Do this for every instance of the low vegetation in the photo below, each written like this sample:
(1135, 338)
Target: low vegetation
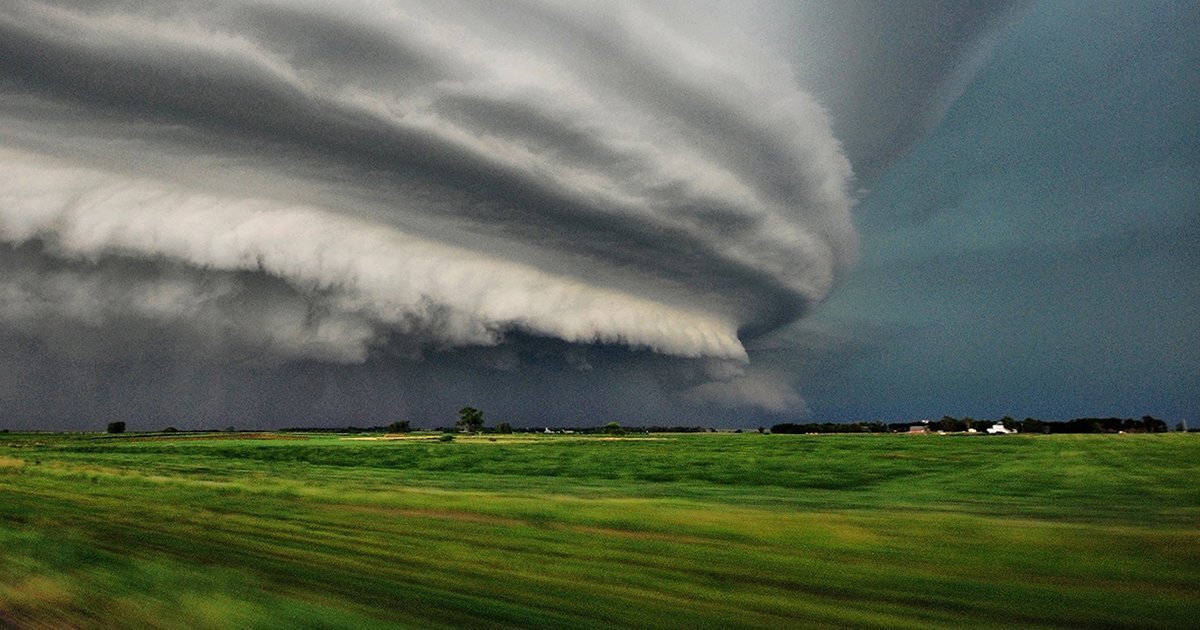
(663, 530)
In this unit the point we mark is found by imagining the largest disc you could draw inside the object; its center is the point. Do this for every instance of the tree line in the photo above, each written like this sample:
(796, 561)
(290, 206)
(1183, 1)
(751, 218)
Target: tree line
(950, 424)
(471, 421)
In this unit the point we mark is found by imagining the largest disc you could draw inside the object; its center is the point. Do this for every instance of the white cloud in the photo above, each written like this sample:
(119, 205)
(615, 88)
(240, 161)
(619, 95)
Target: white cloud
(377, 273)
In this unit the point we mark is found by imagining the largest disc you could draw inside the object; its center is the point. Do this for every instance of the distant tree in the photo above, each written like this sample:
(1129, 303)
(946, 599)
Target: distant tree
(170, 430)
(446, 437)
(1153, 425)
(1033, 425)
(1178, 427)
(116, 427)
(470, 419)
(229, 429)
(762, 429)
(612, 428)
(399, 426)
(504, 427)
(950, 424)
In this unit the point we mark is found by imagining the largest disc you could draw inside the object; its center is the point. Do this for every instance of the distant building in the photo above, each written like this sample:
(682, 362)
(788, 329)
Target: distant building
(918, 428)
(999, 428)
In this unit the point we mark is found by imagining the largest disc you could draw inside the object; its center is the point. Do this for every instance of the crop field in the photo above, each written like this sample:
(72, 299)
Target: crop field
(697, 530)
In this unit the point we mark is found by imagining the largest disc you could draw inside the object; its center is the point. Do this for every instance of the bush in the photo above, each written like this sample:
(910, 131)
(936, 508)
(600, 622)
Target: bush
(446, 437)
(400, 426)
(116, 427)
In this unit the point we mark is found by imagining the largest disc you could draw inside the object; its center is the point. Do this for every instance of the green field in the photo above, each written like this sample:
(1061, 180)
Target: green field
(705, 530)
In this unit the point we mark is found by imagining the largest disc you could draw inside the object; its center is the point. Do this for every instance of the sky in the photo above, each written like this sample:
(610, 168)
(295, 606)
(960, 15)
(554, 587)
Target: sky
(283, 213)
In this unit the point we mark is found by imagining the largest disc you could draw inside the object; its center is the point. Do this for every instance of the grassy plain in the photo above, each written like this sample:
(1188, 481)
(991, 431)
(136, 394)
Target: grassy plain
(709, 530)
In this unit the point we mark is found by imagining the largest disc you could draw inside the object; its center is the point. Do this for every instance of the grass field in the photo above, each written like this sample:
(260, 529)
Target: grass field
(706, 530)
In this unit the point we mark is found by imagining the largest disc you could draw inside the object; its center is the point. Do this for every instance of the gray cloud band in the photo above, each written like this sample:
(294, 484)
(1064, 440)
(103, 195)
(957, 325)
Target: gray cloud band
(593, 174)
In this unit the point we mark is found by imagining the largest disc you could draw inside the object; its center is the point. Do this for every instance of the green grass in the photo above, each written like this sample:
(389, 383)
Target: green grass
(673, 531)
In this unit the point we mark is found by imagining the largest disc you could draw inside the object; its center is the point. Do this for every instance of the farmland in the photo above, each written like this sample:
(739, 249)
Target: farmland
(718, 530)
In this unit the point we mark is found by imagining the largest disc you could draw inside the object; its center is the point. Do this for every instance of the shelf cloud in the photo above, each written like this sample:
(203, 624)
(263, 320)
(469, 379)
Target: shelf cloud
(390, 182)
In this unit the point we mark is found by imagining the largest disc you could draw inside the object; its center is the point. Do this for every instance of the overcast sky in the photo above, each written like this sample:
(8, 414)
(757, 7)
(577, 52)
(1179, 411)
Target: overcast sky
(282, 213)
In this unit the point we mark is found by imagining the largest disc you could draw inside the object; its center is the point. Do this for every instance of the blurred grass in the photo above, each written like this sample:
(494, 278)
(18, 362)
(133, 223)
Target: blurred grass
(690, 530)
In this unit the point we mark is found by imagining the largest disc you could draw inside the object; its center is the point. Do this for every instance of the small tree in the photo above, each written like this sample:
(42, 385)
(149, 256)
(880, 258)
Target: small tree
(116, 427)
(612, 428)
(399, 426)
(470, 419)
(504, 427)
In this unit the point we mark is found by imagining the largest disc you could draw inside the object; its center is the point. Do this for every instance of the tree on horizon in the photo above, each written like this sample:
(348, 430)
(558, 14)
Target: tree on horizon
(470, 419)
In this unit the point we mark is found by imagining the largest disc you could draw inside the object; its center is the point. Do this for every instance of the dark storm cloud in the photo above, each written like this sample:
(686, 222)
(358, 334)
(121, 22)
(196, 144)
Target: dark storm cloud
(392, 183)
(777, 239)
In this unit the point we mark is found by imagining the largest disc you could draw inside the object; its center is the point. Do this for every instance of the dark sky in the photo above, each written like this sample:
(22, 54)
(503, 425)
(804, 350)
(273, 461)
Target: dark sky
(280, 214)
(1038, 253)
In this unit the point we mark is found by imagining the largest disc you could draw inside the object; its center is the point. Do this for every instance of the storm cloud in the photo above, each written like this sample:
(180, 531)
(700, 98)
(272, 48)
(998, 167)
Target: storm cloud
(621, 195)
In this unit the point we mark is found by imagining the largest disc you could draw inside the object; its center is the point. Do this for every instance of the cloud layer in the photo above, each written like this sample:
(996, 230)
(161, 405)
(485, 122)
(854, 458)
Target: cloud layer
(610, 180)
(392, 182)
